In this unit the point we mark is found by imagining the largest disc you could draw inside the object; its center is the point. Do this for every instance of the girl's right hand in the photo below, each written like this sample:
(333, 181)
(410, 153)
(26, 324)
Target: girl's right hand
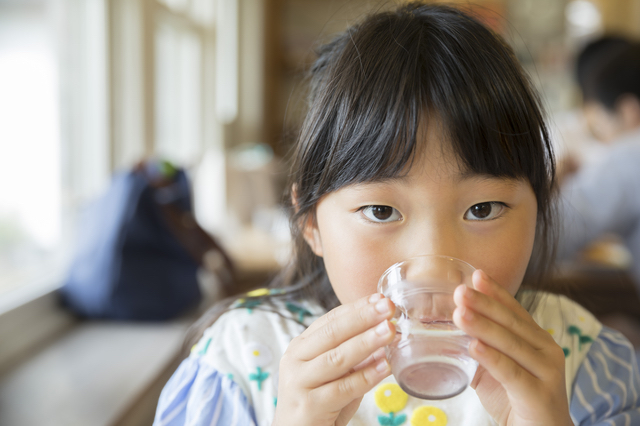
(326, 371)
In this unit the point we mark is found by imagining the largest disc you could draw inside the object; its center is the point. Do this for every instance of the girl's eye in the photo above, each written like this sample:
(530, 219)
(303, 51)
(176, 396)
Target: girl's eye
(485, 211)
(381, 213)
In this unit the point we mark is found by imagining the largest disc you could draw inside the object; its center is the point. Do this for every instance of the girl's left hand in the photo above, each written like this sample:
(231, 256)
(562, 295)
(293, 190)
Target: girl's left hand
(520, 380)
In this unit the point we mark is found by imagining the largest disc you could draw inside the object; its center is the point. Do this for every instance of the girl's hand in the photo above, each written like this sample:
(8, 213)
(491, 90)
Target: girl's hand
(326, 370)
(520, 380)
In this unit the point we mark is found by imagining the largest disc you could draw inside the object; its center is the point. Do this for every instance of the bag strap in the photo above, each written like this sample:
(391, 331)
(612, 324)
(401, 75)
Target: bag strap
(179, 218)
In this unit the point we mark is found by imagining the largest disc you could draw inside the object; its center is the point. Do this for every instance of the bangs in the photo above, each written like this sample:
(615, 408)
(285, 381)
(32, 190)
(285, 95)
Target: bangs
(391, 74)
(376, 89)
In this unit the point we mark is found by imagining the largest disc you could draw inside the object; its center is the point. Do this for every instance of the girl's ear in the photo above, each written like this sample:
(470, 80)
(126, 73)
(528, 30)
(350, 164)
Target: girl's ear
(310, 231)
(311, 235)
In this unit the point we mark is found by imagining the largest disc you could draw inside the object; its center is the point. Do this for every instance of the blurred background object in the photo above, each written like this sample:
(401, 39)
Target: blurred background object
(89, 88)
(140, 248)
(599, 210)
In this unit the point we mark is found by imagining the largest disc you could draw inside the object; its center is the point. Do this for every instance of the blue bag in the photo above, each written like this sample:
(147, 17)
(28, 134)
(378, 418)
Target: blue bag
(131, 262)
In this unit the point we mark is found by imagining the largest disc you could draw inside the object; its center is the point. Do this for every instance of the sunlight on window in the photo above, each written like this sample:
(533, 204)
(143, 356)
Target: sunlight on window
(178, 94)
(30, 213)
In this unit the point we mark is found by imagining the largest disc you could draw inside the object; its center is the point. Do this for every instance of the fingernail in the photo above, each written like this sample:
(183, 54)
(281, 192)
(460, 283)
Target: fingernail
(478, 347)
(379, 354)
(383, 329)
(382, 366)
(382, 306)
(463, 290)
(467, 314)
(375, 297)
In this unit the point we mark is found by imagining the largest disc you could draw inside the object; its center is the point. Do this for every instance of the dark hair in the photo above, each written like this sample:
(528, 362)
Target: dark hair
(618, 75)
(594, 54)
(373, 86)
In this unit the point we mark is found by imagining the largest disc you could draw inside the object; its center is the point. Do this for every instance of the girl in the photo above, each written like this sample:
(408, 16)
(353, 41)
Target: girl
(423, 136)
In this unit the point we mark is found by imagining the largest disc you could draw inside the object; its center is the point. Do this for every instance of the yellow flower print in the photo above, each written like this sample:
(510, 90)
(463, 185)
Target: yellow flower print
(258, 292)
(428, 415)
(390, 398)
(257, 355)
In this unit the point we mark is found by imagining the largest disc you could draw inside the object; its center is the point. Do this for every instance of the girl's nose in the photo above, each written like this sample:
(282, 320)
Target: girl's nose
(436, 238)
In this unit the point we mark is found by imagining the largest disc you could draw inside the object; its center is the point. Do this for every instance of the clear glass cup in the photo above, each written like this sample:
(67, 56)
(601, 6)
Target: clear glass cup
(429, 356)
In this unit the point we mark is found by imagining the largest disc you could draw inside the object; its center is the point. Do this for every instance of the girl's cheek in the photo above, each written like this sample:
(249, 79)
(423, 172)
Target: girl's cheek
(352, 275)
(354, 266)
(509, 278)
(508, 265)
(354, 257)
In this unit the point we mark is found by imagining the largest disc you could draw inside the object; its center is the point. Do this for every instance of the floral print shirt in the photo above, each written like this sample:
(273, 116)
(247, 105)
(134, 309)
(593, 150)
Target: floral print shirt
(231, 376)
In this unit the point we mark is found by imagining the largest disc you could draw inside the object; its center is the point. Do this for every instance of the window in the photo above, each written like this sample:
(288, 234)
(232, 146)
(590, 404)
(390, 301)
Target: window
(91, 87)
(30, 146)
(179, 45)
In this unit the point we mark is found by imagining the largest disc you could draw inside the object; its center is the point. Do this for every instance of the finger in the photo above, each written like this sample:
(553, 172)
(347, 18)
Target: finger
(342, 360)
(340, 310)
(341, 328)
(352, 386)
(514, 378)
(497, 368)
(520, 325)
(373, 358)
(348, 412)
(486, 285)
(502, 340)
(481, 375)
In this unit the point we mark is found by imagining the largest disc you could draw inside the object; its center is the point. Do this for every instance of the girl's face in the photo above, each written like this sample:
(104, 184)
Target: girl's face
(436, 208)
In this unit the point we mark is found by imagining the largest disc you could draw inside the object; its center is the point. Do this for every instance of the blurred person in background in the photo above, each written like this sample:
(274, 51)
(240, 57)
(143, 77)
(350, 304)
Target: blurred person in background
(576, 143)
(596, 53)
(603, 196)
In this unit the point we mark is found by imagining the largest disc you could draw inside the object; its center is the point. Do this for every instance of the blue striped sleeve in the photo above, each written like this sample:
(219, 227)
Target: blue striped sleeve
(198, 395)
(605, 391)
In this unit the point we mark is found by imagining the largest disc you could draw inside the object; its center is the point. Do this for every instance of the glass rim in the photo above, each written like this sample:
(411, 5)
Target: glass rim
(422, 256)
